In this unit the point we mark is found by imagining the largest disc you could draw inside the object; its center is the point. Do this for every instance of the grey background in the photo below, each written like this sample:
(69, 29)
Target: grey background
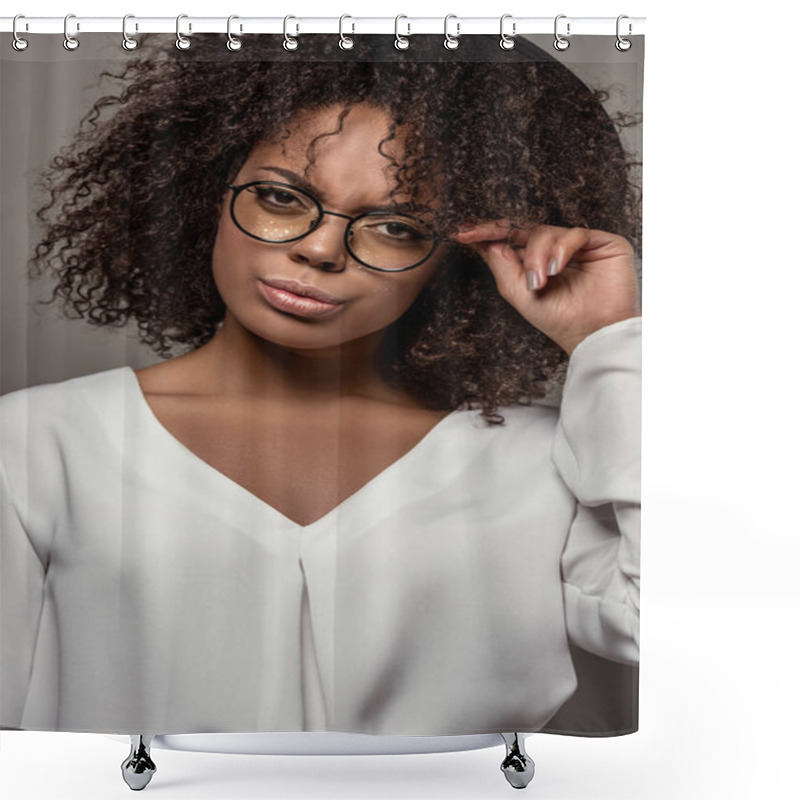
(44, 92)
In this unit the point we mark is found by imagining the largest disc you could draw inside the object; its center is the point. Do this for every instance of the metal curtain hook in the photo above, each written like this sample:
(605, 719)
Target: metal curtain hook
(18, 43)
(623, 44)
(400, 42)
(451, 42)
(345, 42)
(290, 43)
(128, 43)
(70, 43)
(182, 43)
(233, 42)
(506, 42)
(561, 43)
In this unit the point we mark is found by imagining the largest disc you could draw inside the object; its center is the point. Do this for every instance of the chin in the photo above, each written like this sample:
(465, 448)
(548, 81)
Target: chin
(301, 334)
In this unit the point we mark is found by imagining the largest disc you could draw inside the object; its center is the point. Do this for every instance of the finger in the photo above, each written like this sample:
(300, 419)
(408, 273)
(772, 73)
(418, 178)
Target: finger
(574, 241)
(501, 229)
(506, 266)
(539, 256)
(510, 262)
(550, 253)
(600, 245)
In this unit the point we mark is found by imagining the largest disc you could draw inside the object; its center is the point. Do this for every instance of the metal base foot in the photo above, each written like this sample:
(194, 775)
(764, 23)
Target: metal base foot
(138, 768)
(517, 766)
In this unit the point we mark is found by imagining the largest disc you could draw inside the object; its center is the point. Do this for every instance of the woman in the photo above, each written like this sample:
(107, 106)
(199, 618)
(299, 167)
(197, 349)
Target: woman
(315, 518)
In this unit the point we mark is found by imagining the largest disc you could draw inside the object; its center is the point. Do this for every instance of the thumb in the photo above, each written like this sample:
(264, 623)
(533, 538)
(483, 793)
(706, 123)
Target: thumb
(508, 270)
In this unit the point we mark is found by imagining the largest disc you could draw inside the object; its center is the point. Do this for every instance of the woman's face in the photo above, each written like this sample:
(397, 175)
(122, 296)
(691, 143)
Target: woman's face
(348, 176)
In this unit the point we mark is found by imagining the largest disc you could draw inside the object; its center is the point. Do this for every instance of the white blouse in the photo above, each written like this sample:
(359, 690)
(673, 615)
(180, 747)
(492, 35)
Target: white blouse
(143, 591)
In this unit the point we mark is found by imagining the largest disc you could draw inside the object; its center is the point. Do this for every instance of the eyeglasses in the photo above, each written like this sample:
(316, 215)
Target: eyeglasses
(387, 241)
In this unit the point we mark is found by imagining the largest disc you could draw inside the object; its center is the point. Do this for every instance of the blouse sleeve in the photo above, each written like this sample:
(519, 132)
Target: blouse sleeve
(21, 596)
(597, 451)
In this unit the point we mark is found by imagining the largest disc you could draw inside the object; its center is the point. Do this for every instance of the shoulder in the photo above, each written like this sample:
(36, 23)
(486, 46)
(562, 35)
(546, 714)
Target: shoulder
(35, 421)
(524, 427)
(55, 401)
(519, 418)
(498, 454)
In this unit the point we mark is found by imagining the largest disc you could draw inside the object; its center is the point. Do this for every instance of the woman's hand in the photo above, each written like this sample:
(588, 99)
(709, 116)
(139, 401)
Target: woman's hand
(567, 282)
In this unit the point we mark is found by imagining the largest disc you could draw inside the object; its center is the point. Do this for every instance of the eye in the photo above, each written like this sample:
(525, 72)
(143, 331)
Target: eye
(274, 197)
(398, 231)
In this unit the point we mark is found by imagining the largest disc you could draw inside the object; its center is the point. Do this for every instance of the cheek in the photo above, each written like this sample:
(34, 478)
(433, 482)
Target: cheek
(396, 295)
(229, 254)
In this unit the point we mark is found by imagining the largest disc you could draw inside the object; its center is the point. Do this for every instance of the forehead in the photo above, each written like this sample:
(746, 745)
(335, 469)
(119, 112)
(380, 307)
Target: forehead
(341, 159)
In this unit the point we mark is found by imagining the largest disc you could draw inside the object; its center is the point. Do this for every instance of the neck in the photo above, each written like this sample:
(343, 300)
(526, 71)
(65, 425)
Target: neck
(243, 363)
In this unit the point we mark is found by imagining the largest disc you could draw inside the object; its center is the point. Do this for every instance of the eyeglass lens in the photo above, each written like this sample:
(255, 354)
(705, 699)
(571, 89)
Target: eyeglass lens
(278, 213)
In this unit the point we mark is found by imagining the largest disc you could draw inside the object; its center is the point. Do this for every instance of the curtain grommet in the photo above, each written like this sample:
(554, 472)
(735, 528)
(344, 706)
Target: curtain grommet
(128, 42)
(233, 44)
(345, 42)
(289, 42)
(401, 42)
(506, 41)
(70, 42)
(18, 43)
(451, 42)
(561, 43)
(181, 42)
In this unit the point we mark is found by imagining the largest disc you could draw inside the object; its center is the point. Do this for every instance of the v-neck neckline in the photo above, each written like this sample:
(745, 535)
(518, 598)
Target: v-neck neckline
(360, 494)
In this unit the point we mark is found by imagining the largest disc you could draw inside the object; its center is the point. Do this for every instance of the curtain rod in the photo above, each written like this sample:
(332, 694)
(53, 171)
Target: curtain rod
(567, 26)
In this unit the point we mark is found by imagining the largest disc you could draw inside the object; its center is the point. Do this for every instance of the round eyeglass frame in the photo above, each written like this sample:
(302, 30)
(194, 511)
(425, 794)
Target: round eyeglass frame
(237, 190)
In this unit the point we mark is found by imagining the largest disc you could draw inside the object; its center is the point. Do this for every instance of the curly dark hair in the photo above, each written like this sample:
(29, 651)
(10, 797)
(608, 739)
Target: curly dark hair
(133, 204)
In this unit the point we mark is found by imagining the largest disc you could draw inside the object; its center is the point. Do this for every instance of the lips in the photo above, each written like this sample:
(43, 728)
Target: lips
(301, 290)
(287, 301)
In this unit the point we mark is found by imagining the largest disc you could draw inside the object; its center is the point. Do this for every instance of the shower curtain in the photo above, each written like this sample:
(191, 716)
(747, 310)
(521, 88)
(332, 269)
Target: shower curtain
(320, 386)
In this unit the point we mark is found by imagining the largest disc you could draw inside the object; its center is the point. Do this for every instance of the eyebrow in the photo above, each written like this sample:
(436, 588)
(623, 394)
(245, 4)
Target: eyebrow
(302, 183)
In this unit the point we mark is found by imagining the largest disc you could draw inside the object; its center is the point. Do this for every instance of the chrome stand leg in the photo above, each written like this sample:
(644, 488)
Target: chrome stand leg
(517, 766)
(138, 767)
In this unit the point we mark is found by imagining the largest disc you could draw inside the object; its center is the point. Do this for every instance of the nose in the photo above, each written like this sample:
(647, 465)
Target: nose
(324, 247)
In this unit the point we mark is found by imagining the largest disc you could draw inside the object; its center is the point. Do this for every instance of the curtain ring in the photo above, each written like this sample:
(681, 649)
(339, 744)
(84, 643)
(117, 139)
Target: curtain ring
(451, 42)
(182, 43)
(560, 43)
(17, 42)
(70, 43)
(345, 42)
(400, 42)
(289, 43)
(233, 42)
(506, 42)
(623, 44)
(128, 42)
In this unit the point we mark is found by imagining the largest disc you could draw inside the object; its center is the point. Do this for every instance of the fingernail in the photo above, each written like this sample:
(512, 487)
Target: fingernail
(552, 266)
(465, 226)
(533, 279)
